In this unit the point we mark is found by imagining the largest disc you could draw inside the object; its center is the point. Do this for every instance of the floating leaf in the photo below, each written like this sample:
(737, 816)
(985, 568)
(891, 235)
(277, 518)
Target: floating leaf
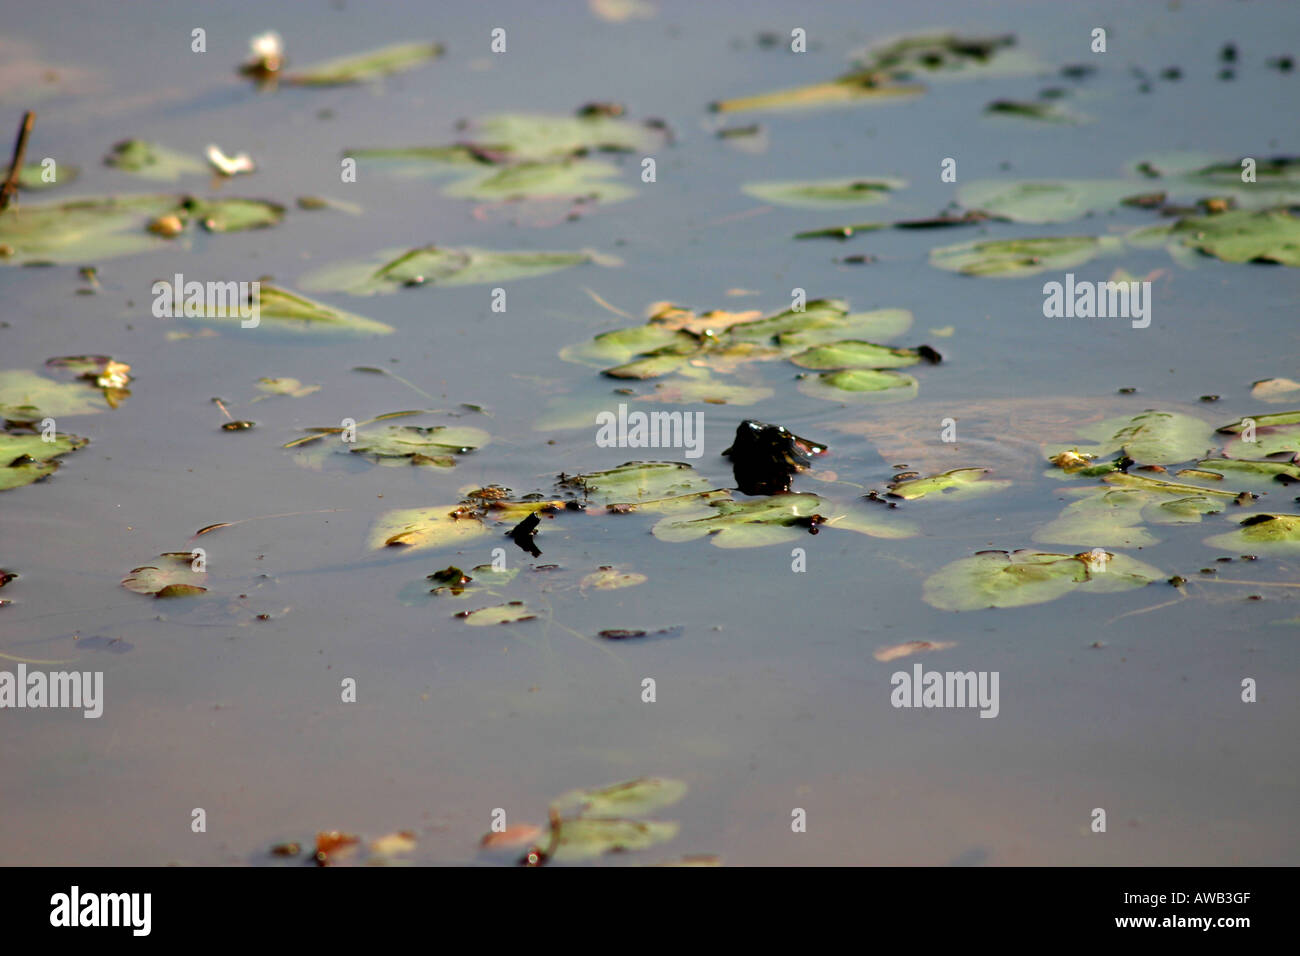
(1019, 578)
(290, 387)
(1105, 517)
(1253, 468)
(957, 483)
(611, 579)
(356, 68)
(1277, 533)
(28, 397)
(32, 176)
(393, 269)
(631, 798)
(1269, 235)
(176, 578)
(825, 192)
(562, 179)
(290, 312)
(28, 458)
(1154, 437)
(417, 529)
(637, 481)
(152, 161)
(855, 354)
(234, 215)
(1275, 389)
(1160, 486)
(500, 614)
(773, 520)
(80, 230)
(860, 385)
(583, 839)
(1043, 111)
(406, 441)
(1044, 200)
(1014, 258)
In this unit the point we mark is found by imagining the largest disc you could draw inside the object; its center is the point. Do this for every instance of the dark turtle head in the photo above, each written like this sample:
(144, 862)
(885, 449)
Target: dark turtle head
(765, 458)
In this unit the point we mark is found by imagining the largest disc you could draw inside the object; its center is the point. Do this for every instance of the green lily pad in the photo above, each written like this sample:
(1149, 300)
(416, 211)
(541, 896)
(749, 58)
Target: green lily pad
(1041, 111)
(1252, 468)
(690, 389)
(359, 67)
(562, 179)
(855, 354)
(1160, 486)
(531, 136)
(288, 387)
(621, 345)
(637, 481)
(174, 577)
(860, 385)
(631, 798)
(1269, 235)
(419, 529)
(394, 269)
(1014, 258)
(773, 520)
(1272, 420)
(654, 364)
(1269, 532)
(32, 176)
(509, 613)
(1109, 518)
(235, 215)
(1044, 200)
(825, 192)
(859, 86)
(28, 458)
(81, 229)
(291, 312)
(958, 483)
(1019, 578)
(28, 397)
(1154, 437)
(584, 839)
(942, 56)
(152, 161)
(407, 441)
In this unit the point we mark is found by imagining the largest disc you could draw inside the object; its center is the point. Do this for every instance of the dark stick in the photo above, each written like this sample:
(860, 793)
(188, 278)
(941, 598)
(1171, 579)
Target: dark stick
(10, 187)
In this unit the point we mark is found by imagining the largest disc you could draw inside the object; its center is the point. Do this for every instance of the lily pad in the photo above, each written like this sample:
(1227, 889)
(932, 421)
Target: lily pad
(1019, 578)
(584, 839)
(1041, 111)
(393, 269)
(174, 577)
(1253, 468)
(418, 529)
(855, 354)
(860, 385)
(81, 229)
(1014, 258)
(234, 215)
(509, 613)
(28, 458)
(359, 67)
(631, 798)
(28, 397)
(1275, 533)
(772, 520)
(1160, 486)
(1269, 235)
(637, 481)
(1109, 518)
(825, 192)
(152, 161)
(290, 312)
(1153, 437)
(562, 179)
(958, 483)
(1045, 200)
(32, 176)
(612, 579)
(407, 441)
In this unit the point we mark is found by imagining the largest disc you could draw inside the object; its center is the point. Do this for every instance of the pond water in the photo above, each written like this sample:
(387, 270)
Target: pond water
(769, 694)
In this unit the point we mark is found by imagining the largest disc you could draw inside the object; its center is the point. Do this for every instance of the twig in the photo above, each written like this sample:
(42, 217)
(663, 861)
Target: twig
(10, 187)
